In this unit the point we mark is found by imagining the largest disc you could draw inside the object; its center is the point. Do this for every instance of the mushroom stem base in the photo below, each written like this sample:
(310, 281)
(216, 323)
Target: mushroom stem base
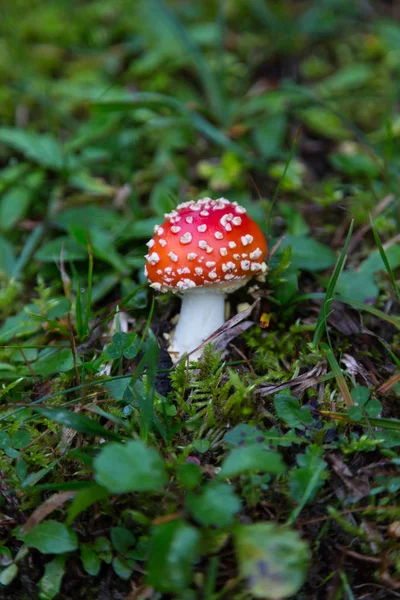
(201, 314)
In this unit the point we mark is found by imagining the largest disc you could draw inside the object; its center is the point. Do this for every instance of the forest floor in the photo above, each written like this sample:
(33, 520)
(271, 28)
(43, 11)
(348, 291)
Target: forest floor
(268, 469)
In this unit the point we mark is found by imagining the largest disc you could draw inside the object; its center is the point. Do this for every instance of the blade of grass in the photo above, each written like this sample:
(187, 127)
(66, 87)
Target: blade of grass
(31, 243)
(385, 260)
(330, 290)
(337, 371)
(384, 423)
(371, 309)
(282, 179)
(210, 83)
(88, 311)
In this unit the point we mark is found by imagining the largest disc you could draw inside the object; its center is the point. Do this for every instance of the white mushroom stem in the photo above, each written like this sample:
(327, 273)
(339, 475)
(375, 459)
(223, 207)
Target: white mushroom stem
(202, 313)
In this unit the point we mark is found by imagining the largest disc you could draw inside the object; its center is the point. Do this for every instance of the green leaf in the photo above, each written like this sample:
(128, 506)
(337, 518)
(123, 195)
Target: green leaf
(16, 201)
(269, 135)
(273, 559)
(173, 550)
(85, 498)
(307, 478)
(122, 567)
(189, 475)
(130, 467)
(355, 413)
(201, 445)
(64, 245)
(43, 149)
(77, 422)
(55, 360)
(51, 537)
(289, 410)
(20, 439)
(308, 254)
(50, 583)
(216, 505)
(373, 408)
(360, 395)
(122, 539)
(90, 560)
(252, 458)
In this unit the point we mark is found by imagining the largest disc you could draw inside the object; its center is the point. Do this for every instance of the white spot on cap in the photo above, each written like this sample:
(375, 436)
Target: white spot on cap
(245, 264)
(219, 235)
(256, 254)
(150, 244)
(229, 276)
(246, 239)
(184, 271)
(232, 244)
(236, 256)
(212, 275)
(162, 243)
(186, 238)
(185, 284)
(198, 271)
(173, 256)
(240, 210)
(175, 228)
(223, 251)
(237, 221)
(256, 266)
(202, 228)
(189, 219)
(204, 213)
(210, 264)
(168, 270)
(204, 246)
(153, 258)
(191, 255)
(229, 266)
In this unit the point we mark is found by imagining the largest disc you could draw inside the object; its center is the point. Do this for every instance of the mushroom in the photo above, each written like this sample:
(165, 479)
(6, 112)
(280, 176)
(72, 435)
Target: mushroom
(203, 250)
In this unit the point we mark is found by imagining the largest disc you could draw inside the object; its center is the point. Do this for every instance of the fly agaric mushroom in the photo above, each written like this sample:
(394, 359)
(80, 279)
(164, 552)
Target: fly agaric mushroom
(203, 250)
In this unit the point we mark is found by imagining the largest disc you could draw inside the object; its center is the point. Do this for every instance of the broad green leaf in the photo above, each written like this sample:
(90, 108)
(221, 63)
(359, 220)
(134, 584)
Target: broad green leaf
(122, 539)
(50, 583)
(85, 498)
(43, 149)
(252, 458)
(17, 199)
(215, 505)
(123, 567)
(306, 479)
(55, 360)
(360, 395)
(308, 254)
(19, 325)
(130, 467)
(273, 559)
(51, 537)
(90, 560)
(173, 550)
(89, 214)
(63, 246)
(289, 410)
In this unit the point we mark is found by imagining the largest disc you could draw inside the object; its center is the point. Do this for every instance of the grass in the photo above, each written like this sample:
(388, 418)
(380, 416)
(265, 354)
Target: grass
(269, 468)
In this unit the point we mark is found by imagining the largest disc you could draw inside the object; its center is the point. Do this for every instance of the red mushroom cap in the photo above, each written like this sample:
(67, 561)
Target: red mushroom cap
(204, 243)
